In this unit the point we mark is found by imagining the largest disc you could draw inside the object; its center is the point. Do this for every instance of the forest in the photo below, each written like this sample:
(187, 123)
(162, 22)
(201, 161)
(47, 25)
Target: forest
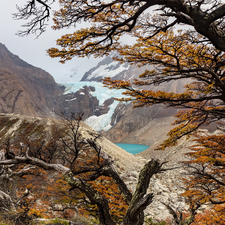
(83, 176)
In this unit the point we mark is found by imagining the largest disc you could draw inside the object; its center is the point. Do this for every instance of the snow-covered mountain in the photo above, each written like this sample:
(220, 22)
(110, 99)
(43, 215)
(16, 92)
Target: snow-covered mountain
(103, 110)
(98, 114)
(31, 91)
(115, 119)
(110, 68)
(105, 68)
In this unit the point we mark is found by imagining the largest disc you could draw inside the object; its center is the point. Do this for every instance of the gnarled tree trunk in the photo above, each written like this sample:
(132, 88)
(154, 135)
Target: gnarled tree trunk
(139, 201)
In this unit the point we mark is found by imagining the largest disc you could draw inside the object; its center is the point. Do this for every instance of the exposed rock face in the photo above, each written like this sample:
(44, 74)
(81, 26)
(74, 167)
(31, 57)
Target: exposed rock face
(28, 90)
(83, 101)
(136, 126)
(25, 89)
(79, 101)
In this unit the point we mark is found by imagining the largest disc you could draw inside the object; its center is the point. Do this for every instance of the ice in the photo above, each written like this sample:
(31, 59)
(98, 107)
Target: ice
(102, 122)
(101, 93)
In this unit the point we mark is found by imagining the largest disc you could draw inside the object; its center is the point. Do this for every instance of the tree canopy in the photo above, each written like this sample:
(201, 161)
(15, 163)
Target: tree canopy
(206, 183)
(195, 54)
(107, 21)
(177, 56)
(87, 180)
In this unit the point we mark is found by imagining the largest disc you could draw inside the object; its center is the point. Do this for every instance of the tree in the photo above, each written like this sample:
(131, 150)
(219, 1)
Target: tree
(16, 186)
(177, 57)
(195, 55)
(203, 182)
(206, 182)
(113, 18)
(85, 167)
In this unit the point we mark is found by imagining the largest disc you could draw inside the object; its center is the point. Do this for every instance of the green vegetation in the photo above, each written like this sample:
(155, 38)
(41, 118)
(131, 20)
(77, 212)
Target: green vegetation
(149, 221)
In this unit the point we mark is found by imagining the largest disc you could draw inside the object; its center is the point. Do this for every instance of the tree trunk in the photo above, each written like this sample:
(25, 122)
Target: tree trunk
(139, 201)
(94, 196)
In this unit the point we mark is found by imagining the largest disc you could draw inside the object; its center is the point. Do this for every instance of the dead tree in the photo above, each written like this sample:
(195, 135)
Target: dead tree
(72, 147)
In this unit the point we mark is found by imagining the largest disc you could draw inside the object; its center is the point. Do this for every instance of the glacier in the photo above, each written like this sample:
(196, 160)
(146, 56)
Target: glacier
(102, 93)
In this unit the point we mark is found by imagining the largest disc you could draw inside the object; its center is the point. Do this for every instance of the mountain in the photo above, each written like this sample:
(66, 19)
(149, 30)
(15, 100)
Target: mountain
(25, 89)
(110, 68)
(28, 90)
(124, 124)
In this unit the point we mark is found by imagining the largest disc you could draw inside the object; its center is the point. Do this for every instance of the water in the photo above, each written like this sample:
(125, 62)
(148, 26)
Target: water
(132, 148)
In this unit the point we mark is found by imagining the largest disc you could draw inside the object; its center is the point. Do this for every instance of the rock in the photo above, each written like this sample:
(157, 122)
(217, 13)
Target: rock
(134, 174)
(25, 89)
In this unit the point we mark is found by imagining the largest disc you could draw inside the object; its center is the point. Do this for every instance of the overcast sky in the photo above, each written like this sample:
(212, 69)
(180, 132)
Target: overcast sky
(33, 50)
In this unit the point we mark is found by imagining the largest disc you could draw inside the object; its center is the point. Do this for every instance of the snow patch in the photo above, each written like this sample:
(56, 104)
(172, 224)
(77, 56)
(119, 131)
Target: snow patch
(108, 70)
(72, 99)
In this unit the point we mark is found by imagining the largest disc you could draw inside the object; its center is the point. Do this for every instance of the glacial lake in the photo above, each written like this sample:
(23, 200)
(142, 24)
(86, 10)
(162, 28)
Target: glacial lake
(132, 148)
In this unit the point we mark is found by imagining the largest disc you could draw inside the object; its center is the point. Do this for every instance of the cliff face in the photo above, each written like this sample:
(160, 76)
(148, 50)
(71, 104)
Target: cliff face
(78, 101)
(25, 89)
(28, 90)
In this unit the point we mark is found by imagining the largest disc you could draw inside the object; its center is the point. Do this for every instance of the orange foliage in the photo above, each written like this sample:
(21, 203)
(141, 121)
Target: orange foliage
(117, 204)
(215, 216)
(206, 185)
(176, 57)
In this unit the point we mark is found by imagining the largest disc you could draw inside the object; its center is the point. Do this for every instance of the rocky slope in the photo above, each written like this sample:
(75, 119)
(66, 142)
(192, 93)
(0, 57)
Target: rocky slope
(166, 186)
(25, 89)
(13, 126)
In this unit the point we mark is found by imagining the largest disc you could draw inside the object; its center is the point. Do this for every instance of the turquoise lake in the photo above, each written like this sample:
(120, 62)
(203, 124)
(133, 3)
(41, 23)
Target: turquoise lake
(132, 148)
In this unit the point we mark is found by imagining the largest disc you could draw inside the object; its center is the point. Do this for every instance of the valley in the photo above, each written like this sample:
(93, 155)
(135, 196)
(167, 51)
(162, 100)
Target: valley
(31, 101)
(146, 73)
